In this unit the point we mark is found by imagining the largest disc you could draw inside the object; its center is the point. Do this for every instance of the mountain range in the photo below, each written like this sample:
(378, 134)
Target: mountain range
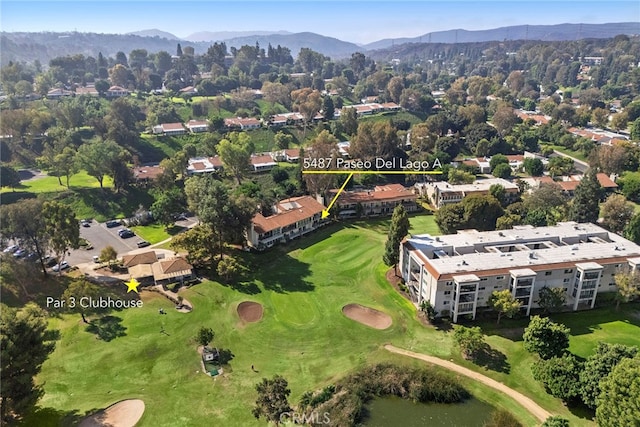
(43, 46)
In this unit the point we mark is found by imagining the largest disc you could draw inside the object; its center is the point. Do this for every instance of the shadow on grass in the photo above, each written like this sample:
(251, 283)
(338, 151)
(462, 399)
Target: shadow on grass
(107, 328)
(106, 204)
(14, 196)
(491, 359)
(580, 410)
(285, 275)
(225, 356)
(50, 417)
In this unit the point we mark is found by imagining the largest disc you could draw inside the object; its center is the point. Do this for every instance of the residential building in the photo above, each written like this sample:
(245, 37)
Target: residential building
(89, 90)
(59, 93)
(262, 162)
(189, 90)
(380, 200)
(169, 129)
(568, 184)
(457, 273)
(291, 155)
(291, 218)
(243, 123)
(442, 193)
(197, 126)
(116, 92)
(146, 174)
(198, 165)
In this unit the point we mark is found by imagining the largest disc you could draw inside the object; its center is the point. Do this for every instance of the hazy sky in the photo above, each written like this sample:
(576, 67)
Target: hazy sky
(356, 21)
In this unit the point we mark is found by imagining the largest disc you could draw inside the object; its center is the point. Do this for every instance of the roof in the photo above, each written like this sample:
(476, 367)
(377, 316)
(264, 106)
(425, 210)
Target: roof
(141, 258)
(171, 126)
(239, 121)
(288, 212)
(204, 164)
(292, 152)
(262, 159)
(147, 172)
(140, 270)
(196, 123)
(478, 185)
(379, 193)
(175, 265)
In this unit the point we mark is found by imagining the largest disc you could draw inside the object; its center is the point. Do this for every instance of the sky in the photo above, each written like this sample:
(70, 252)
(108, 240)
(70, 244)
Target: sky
(360, 21)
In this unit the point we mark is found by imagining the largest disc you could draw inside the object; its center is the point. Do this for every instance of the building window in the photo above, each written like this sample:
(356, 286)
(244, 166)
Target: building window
(499, 277)
(447, 292)
(483, 279)
(481, 288)
(445, 303)
(568, 270)
(449, 283)
(547, 273)
(496, 287)
(567, 280)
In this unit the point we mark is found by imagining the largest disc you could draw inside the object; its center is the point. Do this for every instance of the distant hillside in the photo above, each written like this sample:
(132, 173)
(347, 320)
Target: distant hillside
(559, 32)
(28, 47)
(154, 33)
(207, 36)
(329, 46)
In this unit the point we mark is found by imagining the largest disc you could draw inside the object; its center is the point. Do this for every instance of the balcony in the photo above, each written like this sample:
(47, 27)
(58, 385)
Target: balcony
(464, 308)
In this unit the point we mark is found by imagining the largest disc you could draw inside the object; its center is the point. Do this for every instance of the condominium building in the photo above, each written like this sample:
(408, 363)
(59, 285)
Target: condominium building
(442, 193)
(457, 273)
(379, 201)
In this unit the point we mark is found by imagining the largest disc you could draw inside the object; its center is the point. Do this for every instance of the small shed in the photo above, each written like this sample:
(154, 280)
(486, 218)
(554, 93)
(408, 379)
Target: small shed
(210, 354)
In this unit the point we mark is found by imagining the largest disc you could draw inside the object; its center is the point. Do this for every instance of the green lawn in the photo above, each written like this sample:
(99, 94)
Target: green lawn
(50, 184)
(303, 336)
(155, 233)
(577, 154)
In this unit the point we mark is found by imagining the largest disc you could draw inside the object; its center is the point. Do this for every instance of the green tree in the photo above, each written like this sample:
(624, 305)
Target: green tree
(584, 206)
(555, 421)
(533, 166)
(108, 254)
(502, 171)
(499, 193)
(199, 245)
(235, 154)
(545, 337)
(469, 339)
(9, 177)
(272, 401)
(204, 336)
(97, 158)
(560, 376)
(62, 227)
(632, 230)
(619, 400)
(78, 289)
(349, 120)
(229, 267)
(551, 299)
(481, 212)
(616, 213)
(457, 176)
(501, 418)
(227, 215)
(450, 218)
(25, 343)
(628, 286)
(498, 159)
(168, 203)
(283, 140)
(328, 108)
(398, 229)
(598, 366)
(504, 303)
(23, 221)
(560, 165)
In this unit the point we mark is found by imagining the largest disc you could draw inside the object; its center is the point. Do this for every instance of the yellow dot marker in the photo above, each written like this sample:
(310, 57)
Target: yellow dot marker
(132, 285)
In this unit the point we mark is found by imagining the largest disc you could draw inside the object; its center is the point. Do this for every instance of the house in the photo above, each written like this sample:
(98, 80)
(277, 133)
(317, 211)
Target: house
(568, 184)
(89, 90)
(189, 90)
(116, 92)
(442, 193)
(380, 200)
(146, 174)
(169, 129)
(59, 93)
(291, 218)
(148, 257)
(171, 271)
(390, 106)
(279, 120)
(243, 123)
(197, 126)
(457, 273)
(198, 165)
(537, 117)
(262, 162)
(484, 163)
(291, 155)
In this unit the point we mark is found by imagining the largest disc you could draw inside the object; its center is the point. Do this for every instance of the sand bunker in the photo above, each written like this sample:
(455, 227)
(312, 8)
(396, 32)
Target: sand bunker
(250, 311)
(367, 316)
(122, 414)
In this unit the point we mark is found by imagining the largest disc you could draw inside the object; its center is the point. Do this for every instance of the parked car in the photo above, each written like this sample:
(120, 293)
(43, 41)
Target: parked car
(61, 266)
(19, 253)
(125, 233)
(143, 244)
(49, 261)
(11, 249)
(32, 256)
(85, 223)
(113, 223)
(96, 258)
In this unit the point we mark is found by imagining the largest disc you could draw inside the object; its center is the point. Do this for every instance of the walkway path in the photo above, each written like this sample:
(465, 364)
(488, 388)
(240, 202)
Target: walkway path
(529, 404)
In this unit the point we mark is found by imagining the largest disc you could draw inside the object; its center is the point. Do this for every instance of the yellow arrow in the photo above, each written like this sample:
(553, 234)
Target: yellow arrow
(325, 213)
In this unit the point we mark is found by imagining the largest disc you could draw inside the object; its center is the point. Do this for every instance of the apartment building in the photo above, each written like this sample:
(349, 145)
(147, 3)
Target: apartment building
(442, 193)
(380, 200)
(457, 273)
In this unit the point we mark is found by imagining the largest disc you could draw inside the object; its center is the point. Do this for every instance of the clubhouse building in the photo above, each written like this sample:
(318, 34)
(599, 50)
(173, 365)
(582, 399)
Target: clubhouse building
(457, 273)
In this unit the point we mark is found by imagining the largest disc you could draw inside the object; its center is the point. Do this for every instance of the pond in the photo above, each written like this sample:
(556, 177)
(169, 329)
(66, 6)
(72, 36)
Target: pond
(394, 411)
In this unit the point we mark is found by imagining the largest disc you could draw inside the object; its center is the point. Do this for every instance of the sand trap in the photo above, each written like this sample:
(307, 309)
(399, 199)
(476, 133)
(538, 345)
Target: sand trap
(367, 316)
(125, 413)
(250, 311)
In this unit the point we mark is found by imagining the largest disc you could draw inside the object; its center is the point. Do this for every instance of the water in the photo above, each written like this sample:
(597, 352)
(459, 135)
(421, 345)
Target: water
(393, 411)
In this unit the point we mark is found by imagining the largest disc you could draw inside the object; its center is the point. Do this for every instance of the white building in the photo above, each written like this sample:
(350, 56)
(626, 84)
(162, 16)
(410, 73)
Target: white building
(457, 273)
(442, 193)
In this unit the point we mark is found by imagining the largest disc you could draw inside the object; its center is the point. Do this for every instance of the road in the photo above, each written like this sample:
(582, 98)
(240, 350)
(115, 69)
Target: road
(579, 165)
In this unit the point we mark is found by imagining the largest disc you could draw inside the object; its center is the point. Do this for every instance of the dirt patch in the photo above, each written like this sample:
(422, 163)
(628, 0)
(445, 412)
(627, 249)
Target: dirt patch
(250, 311)
(126, 413)
(367, 316)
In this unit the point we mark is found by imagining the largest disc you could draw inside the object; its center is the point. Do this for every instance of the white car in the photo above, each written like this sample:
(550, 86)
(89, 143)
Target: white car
(62, 266)
(11, 249)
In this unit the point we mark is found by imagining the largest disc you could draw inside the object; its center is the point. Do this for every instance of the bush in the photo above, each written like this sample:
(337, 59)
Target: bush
(502, 418)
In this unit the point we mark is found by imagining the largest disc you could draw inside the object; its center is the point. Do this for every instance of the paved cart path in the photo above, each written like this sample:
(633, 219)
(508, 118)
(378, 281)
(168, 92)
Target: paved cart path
(529, 404)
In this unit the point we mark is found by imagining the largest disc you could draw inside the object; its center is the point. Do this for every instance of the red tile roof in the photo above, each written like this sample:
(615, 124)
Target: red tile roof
(290, 211)
(379, 193)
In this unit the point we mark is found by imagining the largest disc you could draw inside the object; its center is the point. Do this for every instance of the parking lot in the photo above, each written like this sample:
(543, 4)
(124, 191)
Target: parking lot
(99, 236)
